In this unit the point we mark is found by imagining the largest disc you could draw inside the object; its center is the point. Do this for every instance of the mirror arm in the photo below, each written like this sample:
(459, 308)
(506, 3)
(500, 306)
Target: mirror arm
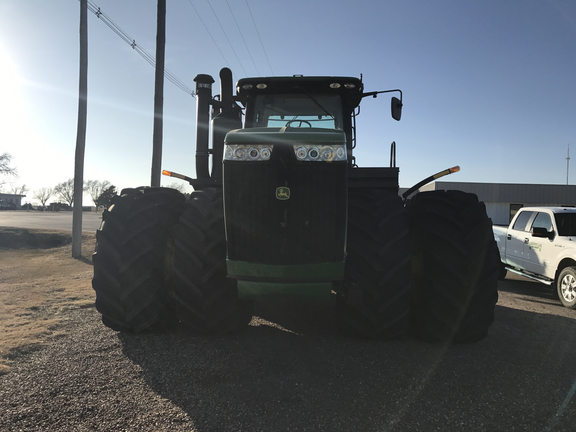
(376, 93)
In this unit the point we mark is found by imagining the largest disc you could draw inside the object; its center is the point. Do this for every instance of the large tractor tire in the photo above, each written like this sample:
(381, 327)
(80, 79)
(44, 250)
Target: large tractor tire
(206, 300)
(130, 258)
(455, 267)
(374, 300)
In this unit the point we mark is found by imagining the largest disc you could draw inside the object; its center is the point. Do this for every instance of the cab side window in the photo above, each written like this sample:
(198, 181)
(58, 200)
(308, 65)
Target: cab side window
(543, 220)
(522, 221)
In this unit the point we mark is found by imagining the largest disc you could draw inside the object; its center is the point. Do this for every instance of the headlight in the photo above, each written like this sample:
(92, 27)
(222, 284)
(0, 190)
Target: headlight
(301, 153)
(240, 153)
(265, 153)
(255, 153)
(312, 153)
(327, 154)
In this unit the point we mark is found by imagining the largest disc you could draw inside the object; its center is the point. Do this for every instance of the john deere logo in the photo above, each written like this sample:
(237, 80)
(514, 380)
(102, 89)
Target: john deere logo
(282, 193)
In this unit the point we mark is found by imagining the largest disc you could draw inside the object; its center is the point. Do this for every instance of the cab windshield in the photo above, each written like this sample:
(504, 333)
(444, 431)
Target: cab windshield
(289, 110)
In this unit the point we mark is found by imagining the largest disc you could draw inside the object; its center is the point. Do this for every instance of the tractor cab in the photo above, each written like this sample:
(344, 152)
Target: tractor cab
(301, 102)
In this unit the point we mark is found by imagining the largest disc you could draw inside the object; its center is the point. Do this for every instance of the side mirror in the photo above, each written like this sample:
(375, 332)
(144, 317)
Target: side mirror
(542, 233)
(396, 108)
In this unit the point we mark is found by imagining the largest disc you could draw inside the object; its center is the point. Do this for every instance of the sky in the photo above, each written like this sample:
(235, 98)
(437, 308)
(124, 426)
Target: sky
(487, 85)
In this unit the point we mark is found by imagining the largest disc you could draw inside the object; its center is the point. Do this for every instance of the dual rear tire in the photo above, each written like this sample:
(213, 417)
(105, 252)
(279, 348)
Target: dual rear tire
(432, 268)
(156, 255)
(130, 258)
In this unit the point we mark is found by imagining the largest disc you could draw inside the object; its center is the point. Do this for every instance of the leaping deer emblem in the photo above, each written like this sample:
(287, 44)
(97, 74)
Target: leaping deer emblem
(282, 193)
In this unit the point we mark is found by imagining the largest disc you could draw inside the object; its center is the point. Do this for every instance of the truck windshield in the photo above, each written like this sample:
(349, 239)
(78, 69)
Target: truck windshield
(288, 110)
(566, 223)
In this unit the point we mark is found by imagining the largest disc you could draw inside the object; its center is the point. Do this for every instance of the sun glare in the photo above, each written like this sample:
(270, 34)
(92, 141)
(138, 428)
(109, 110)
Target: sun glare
(11, 104)
(17, 135)
(9, 79)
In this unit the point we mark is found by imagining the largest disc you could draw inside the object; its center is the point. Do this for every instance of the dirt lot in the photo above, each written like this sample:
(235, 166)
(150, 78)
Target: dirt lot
(291, 370)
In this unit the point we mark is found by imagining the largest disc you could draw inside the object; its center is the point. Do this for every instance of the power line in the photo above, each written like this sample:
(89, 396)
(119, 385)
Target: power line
(258, 33)
(132, 42)
(210, 34)
(227, 38)
(95, 9)
(242, 36)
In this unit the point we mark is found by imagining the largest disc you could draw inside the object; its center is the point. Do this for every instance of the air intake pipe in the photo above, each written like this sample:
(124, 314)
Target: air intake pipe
(227, 117)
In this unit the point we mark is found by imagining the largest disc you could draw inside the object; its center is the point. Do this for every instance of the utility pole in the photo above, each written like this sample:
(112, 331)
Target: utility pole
(81, 134)
(158, 95)
(568, 164)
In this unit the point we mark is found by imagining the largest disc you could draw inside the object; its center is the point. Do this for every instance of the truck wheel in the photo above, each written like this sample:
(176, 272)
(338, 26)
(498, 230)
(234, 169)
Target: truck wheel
(374, 299)
(455, 267)
(566, 287)
(206, 299)
(130, 255)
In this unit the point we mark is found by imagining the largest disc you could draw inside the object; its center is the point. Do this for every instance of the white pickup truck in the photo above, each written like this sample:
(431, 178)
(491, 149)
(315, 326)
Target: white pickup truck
(540, 244)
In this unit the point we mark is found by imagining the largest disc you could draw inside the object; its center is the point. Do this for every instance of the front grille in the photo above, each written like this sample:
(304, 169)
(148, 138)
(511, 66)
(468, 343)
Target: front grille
(307, 228)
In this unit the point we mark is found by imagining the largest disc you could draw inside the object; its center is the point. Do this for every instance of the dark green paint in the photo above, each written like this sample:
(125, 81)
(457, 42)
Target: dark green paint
(249, 289)
(302, 272)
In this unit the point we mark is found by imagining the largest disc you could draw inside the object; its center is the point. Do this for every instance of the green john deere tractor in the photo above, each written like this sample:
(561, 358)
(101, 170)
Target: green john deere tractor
(281, 208)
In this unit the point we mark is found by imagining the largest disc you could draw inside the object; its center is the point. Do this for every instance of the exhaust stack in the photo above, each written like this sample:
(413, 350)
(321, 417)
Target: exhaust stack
(203, 102)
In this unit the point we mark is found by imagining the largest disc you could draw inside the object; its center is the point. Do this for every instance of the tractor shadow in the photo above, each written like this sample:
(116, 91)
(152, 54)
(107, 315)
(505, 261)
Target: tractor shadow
(529, 290)
(292, 369)
(300, 316)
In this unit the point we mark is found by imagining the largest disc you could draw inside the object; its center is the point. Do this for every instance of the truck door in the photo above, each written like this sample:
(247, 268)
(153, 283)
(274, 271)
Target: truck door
(518, 238)
(539, 247)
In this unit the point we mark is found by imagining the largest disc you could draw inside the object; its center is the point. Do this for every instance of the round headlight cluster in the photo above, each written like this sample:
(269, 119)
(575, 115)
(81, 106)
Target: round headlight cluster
(312, 153)
(250, 153)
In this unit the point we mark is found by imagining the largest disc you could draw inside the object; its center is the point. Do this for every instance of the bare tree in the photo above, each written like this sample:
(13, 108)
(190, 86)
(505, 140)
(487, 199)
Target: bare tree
(95, 188)
(19, 190)
(5, 168)
(105, 198)
(65, 191)
(178, 186)
(43, 195)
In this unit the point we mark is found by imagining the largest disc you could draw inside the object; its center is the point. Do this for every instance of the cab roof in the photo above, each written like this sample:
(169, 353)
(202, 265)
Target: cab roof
(350, 88)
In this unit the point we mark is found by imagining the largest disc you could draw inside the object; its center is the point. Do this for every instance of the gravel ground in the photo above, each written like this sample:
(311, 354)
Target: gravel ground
(292, 371)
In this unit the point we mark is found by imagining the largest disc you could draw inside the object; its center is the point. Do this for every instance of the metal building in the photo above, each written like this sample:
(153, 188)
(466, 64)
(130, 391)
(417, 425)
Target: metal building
(504, 199)
(10, 201)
